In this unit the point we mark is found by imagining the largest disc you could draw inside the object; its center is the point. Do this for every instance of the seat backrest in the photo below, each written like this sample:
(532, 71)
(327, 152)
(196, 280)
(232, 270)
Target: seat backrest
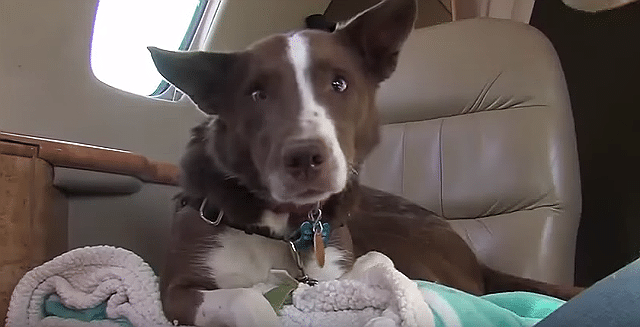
(478, 128)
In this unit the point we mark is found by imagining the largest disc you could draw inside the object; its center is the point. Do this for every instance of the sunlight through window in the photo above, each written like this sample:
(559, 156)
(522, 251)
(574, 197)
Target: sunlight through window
(124, 28)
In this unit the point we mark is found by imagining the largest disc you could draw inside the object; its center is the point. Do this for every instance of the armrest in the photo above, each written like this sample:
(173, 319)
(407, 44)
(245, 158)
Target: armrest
(62, 154)
(86, 182)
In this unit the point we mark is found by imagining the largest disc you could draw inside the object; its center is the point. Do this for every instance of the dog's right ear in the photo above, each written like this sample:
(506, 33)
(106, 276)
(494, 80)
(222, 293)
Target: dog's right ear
(203, 76)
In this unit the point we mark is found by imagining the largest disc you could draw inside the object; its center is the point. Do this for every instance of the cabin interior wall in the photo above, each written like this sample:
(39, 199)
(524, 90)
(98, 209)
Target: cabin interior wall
(49, 88)
(140, 222)
(254, 20)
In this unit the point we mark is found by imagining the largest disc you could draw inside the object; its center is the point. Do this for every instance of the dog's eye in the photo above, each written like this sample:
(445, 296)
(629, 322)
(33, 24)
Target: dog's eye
(339, 84)
(258, 95)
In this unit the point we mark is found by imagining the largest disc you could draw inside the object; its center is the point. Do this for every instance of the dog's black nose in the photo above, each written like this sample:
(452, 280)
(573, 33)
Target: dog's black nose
(303, 159)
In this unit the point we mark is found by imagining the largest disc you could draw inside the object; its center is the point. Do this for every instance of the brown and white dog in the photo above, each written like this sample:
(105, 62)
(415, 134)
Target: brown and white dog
(293, 118)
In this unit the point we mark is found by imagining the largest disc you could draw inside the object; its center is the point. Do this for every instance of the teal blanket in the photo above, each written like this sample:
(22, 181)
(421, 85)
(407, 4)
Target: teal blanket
(450, 306)
(53, 307)
(456, 308)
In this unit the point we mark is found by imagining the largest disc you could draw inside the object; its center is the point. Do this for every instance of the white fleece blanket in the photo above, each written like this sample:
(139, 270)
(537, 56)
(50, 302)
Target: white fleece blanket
(85, 278)
(373, 294)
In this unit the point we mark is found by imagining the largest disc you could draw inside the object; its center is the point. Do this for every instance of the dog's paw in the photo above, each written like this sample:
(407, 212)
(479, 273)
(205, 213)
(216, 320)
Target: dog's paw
(365, 262)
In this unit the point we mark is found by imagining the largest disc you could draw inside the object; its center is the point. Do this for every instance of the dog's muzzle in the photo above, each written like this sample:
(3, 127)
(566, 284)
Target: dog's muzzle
(305, 160)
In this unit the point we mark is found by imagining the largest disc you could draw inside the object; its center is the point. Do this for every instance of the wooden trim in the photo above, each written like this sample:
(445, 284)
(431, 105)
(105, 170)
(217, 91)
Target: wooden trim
(96, 158)
(18, 149)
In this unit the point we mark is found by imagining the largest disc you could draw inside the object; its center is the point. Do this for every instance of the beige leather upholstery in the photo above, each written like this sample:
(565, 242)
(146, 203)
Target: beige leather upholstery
(479, 130)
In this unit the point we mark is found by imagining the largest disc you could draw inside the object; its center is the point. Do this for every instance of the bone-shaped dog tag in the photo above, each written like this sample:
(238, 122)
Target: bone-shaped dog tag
(318, 248)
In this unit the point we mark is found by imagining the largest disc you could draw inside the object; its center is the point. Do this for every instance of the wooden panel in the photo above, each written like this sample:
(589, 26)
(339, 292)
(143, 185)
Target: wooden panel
(49, 215)
(16, 177)
(33, 219)
(84, 156)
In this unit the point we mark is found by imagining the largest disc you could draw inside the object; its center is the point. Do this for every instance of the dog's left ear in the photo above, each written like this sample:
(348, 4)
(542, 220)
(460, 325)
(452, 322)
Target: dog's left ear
(379, 32)
(204, 76)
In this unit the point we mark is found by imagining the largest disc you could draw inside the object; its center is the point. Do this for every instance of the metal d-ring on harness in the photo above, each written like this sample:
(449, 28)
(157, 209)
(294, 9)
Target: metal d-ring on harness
(215, 222)
(314, 215)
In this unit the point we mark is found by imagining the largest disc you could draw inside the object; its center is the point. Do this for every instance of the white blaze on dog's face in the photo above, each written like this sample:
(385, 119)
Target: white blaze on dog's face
(296, 112)
(315, 125)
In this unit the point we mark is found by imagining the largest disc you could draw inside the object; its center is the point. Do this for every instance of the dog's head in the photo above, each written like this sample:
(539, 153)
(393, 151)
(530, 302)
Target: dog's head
(295, 112)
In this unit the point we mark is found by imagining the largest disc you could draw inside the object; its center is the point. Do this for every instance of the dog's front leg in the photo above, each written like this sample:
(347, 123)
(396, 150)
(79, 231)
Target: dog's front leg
(235, 307)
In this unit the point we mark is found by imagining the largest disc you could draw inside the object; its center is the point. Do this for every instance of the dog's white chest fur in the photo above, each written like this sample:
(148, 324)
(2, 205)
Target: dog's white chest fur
(243, 260)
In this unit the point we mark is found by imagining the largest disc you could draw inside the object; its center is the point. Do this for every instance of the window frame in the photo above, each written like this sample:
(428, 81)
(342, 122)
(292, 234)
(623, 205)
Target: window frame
(165, 90)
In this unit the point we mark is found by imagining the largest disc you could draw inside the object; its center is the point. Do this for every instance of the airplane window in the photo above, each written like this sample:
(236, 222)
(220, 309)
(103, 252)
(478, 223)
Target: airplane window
(124, 28)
